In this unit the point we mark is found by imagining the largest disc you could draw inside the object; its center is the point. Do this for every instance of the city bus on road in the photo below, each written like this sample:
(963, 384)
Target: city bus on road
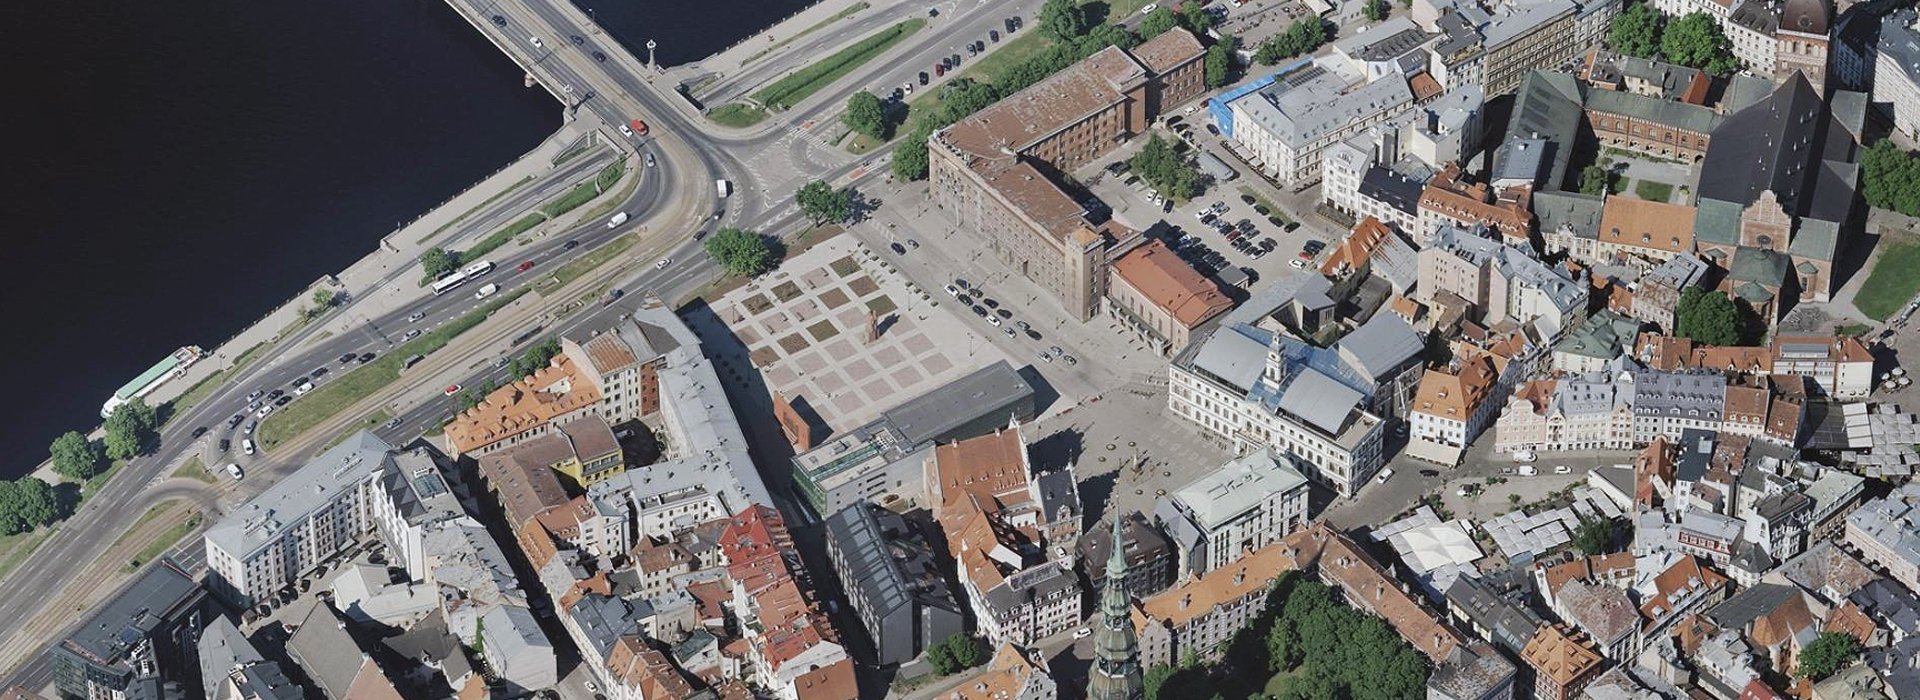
(477, 269)
(453, 279)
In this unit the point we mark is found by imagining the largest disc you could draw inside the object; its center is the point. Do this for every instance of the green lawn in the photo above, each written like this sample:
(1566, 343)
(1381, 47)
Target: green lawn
(330, 399)
(93, 485)
(463, 215)
(986, 69)
(373, 420)
(582, 194)
(788, 91)
(15, 548)
(737, 115)
(1894, 280)
(194, 470)
(1653, 191)
(166, 540)
(500, 237)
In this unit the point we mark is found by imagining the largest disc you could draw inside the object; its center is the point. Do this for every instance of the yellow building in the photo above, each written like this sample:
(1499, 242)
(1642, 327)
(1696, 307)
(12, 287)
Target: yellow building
(595, 455)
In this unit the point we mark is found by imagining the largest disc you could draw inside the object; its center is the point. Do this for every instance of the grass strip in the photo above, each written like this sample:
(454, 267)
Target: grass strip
(15, 549)
(584, 193)
(328, 400)
(500, 237)
(1653, 191)
(585, 263)
(856, 7)
(463, 215)
(195, 470)
(737, 115)
(1894, 280)
(790, 90)
(373, 420)
(165, 541)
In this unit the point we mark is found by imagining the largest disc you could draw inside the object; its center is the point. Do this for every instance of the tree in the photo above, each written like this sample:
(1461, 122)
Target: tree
(1375, 10)
(1890, 178)
(824, 204)
(910, 157)
(940, 657)
(968, 652)
(437, 262)
(1706, 317)
(1636, 32)
(130, 428)
(76, 457)
(1063, 19)
(26, 504)
(1596, 180)
(1303, 36)
(1156, 678)
(1694, 41)
(1106, 35)
(1156, 22)
(1219, 65)
(1195, 18)
(535, 358)
(325, 297)
(1594, 536)
(739, 252)
(1827, 653)
(867, 116)
(1165, 169)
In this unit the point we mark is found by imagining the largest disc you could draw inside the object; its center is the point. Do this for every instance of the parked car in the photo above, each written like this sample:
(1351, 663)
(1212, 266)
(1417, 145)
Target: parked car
(225, 445)
(233, 470)
(1385, 474)
(247, 446)
(1528, 470)
(1523, 455)
(1562, 469)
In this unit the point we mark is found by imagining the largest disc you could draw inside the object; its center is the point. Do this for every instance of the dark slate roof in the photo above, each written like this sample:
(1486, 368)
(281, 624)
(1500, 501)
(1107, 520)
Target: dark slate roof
(1579, 213)
(1777, 145)
(1548, 106)
(1505, 617)
(1745, 606)
(1696, 451)
(1675, 114)
(1391, 188)
(162, 593)
(1759, 265)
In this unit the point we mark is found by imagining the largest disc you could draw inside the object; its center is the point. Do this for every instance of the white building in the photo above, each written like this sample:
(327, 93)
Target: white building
(1246, 504)
(1285, 127)
(301, 522)
(1580, 412)
(1235, 385)
(1896, 74)
(1452, 406)
(1887, 533)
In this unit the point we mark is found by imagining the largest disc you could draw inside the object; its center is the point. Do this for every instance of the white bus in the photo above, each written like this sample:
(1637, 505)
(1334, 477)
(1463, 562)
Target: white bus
(477, 269)
(453, 279)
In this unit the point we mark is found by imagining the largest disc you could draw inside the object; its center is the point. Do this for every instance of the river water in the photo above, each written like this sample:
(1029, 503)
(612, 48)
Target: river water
(175, 170)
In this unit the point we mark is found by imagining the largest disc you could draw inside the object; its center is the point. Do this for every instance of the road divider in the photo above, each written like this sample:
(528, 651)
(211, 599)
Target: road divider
(328, 400)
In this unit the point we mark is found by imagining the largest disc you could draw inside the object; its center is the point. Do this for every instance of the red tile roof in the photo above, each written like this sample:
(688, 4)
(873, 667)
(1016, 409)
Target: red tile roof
(1171, 284)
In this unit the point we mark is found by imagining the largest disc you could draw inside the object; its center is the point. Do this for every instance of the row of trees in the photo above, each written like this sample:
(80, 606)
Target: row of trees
(1166, 169)
(1890, 178)
(131, 430)
(1302, 37)
(1328, 649)
(534, 358)
(1191, 17)
(1694, 40)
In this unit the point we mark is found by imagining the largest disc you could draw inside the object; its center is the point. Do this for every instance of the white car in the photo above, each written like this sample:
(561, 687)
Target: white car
(247, 445)
(264, 410)
(1297, 264)
(1385, 474)
(303, 388)
(486, 291)
(1523, 455)
(1562, 469)
(1149, 8)
(415, 333)
(625, 131)
(536, 42)
(1083, 632)
(591, 688)
(234, 471)
(1528, 470)
(995, 320)
(662, 265)
(953, 291)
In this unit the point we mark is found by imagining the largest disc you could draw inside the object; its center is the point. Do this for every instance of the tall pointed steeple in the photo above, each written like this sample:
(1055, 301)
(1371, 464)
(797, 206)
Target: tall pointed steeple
(1115, 674)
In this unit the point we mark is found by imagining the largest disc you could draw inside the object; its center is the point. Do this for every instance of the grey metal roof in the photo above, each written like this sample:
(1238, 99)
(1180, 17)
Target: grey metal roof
(1746, 606)
(323, 648)
(1391, 188)
(1232, 489)
(1696, 453)
(1059, 493)
(1570, 212)
(1679, 115)
(603, 620)
(1899, 44)
(1303, 107)
(1516, 20)
(1388, 40)
(161, 594)
(877, 558)
(1232, 355)
(512, 632)
(1381, 345)
(935, 413)
(291, 499)
(1699, 395)
(1522, 158)
(1507, 619)
(1319, 400)
(223, 649)
(1549, 106)
(1048, 580)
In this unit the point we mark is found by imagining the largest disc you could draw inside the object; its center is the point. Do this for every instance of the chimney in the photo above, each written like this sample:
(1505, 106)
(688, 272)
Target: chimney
(1186, 600)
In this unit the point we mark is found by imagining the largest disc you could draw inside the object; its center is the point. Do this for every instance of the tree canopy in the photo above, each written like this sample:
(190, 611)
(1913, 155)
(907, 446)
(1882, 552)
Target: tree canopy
(910, 157)
(1827, 653)
(1636, 31)
(865, 115)
(1063, 19)
(1219, 65)
(1594, 536)
(1595, 179)
(1165, 169)
(1157, 22)
(26, 504)
(534, 358)
(130, 428)
(740, 252)
(1713, 318)
(1375, 10)
(1695, 41)
(437, 262)
(824, 204)
(956, 653)
(76, 457)
(1195, 18)
(1303, 36)
(1890, 178)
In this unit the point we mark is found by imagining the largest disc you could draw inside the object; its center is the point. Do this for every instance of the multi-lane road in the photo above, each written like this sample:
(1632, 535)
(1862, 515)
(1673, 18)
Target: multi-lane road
(674, 199)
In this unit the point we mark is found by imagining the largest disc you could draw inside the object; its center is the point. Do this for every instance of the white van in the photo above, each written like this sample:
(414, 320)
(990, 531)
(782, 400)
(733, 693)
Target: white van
(1528, 470)
(723, 187)
(1523, 455)
(233, 470)
(486, 291)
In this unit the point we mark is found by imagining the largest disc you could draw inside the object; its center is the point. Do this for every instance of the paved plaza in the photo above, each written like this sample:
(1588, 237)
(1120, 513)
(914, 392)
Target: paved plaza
(806, 326)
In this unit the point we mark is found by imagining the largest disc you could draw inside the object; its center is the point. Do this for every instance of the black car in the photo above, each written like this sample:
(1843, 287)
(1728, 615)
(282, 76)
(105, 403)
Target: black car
(319, 372)
(282, 401)
(347, 358)
(225, 444)
(990, 303)
(601, 57)
(972, 51)
(577, 41)
(978, 311)
(202, 430)
(499, 21)
(569, 245)
(963, 284)
(235, 420)
(275, 393)
(1429, 472)
(366, 357)
(898, 249)
(923, 78)
(994, 34)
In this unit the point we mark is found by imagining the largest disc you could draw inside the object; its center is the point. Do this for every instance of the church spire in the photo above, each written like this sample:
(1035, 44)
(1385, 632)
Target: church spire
(1116, 655)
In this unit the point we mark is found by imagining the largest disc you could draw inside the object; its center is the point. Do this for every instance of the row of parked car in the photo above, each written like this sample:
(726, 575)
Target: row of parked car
(952, 62)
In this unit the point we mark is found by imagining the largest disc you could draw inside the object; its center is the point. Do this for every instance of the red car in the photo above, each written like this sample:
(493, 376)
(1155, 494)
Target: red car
(455, 389)
(639, 127)
(525, 266)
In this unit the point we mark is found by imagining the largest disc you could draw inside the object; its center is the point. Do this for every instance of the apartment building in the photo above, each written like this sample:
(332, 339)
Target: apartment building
(1150, 557)
(132, 644)
(1886, 532)
(983, 169)
(1285, 127)
(891, 582)
(1200, 616)
(1580, 412)
(1453, 405)
(1896, 74)
(1237, 385)
(1522, 37)
(304, 520)
(1240, 507)
(1450, 199)
(1563, 661)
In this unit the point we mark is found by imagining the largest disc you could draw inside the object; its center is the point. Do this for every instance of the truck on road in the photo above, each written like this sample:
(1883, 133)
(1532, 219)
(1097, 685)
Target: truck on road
(618, 219)
(723, 187)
